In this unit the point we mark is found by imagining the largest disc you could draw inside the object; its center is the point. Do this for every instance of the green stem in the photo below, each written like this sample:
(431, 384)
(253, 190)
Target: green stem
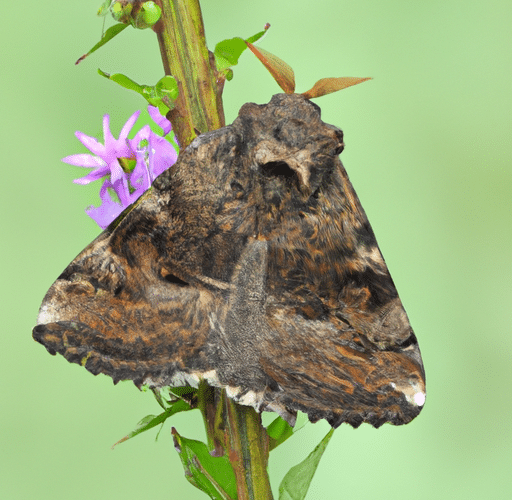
(231, 429)
(208, 399)
(185, 56)
(237, 431)
(248, 451)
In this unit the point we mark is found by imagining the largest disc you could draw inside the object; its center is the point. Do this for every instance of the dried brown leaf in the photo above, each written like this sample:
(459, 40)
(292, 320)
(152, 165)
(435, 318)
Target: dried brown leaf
(329, 85)
(282, 73)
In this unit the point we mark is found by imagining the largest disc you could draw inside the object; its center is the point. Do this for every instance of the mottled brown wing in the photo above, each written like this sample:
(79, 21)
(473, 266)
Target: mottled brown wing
(251, 265)
(118, 309)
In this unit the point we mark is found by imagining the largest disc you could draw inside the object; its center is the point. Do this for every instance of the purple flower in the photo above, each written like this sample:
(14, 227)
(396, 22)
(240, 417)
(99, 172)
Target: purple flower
(106, 213)
(160, 120)
(128, 166)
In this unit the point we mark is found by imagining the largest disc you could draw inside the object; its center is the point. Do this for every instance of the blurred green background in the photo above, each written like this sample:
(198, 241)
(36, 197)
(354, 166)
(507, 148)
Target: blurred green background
(429, 152)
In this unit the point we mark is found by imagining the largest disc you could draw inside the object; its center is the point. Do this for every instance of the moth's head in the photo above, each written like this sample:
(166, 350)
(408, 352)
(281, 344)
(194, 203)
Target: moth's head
(286, 142)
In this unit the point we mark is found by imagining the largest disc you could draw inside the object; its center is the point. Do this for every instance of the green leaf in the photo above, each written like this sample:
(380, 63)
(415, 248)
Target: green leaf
(165, 94)
(163, 396)
(109, 34)
(123, 80)
(150, 421)
(295, 484)
(278, 431)
(162, 95)
(229, 51)
(213, 475)
(257, 36)
(167, 396)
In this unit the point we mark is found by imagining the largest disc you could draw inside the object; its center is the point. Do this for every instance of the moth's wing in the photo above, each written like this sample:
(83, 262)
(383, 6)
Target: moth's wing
(342, 347)
(120, 308)
(270, 355)
(327, 376)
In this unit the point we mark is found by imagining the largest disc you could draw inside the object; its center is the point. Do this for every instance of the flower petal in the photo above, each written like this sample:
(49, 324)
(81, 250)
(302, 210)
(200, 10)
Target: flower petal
(91, 143)
(128, 126)
(84, 160)
(140, 178)
(162, 156)
(153, 155)
(116, 172)
(91, 177)
(120, 186)
(107, 135)
(106, 213)
(160, 120)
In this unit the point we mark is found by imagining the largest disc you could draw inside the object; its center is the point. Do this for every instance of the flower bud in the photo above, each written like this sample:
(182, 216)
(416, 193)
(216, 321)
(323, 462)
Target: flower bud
(140, 15)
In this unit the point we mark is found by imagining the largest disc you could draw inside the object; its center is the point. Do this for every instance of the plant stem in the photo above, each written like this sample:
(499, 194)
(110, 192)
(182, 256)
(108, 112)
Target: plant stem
(231, 429)
(186, 57)
(236, 431)
(248, 451)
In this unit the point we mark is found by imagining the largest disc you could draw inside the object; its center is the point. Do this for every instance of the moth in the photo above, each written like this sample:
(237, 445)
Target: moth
(250, 264)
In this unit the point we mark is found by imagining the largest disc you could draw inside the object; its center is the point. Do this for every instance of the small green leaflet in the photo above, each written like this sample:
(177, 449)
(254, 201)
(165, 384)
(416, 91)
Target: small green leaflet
(151, 421)
(295, 484)
(213, 475)
(229, 51)
(146, 17)
(278, 432)
(162, 95)
(109, 34)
